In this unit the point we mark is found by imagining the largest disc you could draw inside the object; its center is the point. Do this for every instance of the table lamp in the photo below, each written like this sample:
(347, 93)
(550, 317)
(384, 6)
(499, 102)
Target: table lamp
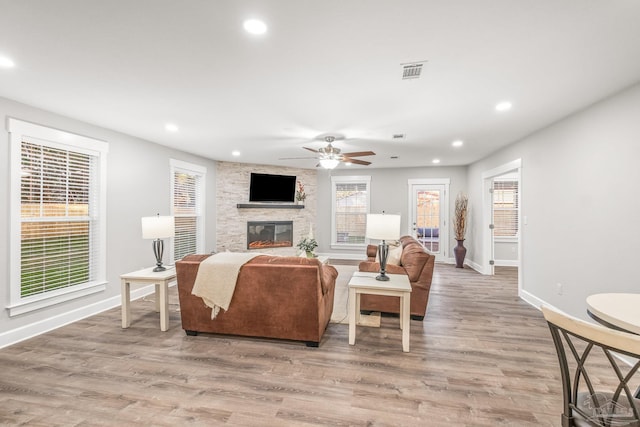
(383, 227)
(158, 228)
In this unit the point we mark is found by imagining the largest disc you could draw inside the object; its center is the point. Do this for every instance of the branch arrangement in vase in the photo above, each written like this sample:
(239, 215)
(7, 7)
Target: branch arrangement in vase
(460, 216)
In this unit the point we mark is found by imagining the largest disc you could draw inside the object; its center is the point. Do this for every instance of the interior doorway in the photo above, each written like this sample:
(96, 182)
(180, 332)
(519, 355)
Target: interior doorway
(505, 219)
(501, 219)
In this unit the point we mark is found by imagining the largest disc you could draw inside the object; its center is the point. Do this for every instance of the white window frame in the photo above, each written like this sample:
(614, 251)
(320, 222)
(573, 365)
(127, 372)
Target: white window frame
(201, 172)
(335, 180)
(21, 130)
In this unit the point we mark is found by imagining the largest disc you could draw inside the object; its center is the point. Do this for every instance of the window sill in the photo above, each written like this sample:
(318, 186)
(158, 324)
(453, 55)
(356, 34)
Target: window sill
(505, 239)
(63, 295)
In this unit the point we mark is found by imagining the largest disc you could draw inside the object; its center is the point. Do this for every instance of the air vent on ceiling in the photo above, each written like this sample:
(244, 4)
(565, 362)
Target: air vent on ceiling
(412, 70)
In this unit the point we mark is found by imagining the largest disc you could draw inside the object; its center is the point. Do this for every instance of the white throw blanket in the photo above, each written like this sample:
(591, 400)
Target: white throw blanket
(216, 279)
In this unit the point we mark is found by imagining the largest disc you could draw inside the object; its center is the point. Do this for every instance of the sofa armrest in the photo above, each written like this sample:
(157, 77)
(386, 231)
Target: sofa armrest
(372, 251)
(328, 276)
(187, 270)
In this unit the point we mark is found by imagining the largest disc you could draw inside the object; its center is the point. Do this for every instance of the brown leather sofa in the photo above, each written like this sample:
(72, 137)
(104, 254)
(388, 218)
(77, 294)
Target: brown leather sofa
(275, 297)
(416, 263)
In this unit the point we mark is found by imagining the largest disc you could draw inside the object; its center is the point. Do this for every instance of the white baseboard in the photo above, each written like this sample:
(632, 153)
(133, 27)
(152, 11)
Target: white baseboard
(531, 299)
(31, 330)
(474, 265)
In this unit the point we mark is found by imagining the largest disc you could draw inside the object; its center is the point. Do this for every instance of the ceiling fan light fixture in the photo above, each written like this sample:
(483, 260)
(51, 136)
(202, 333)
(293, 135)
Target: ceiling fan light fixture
(329, 163)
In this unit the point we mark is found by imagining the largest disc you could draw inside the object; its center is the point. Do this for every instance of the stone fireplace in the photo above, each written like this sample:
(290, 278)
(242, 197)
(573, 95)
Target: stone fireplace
(269, 234)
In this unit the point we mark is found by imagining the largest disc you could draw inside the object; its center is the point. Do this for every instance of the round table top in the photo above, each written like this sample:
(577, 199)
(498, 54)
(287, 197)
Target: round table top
(619, 309)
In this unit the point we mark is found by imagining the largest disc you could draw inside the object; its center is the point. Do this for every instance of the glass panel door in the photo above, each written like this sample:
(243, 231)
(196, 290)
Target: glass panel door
(428, 221)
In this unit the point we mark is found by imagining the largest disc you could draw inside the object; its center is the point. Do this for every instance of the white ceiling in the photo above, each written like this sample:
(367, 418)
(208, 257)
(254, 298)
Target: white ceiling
(323, 67)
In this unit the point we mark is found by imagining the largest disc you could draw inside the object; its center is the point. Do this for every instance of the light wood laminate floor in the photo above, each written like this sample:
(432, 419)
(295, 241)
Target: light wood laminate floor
(482, 357)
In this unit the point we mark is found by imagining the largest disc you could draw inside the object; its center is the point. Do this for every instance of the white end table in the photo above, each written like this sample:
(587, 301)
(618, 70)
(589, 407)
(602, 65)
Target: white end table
(147, 276)
(366, 283)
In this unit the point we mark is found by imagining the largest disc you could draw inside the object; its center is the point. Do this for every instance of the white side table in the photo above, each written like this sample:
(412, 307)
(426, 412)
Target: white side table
(147, 276)
(366, 283)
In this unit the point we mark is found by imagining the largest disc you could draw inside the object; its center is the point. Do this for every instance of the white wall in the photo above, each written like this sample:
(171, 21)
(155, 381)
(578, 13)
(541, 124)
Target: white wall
(505, 253)
(138, 184)
(389, 193)
(579, 183)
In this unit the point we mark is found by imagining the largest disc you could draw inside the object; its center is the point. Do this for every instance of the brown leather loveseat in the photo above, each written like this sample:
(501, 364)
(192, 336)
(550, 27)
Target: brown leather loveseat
(416, 263)
(275, 297)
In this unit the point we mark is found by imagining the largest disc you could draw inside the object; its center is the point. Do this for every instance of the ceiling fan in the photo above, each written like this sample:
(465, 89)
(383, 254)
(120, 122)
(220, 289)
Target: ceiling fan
(329, 157)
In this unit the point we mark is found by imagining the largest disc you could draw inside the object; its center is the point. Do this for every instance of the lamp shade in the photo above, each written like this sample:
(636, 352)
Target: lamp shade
(383, 227)
(158, 227)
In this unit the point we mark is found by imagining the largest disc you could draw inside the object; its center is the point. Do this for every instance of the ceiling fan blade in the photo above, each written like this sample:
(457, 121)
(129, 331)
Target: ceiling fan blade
(355, 161)
(359, 154)
(310, 149)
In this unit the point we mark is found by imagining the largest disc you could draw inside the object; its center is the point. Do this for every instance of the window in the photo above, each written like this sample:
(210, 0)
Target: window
(350, 208)
(505, 208)
(58, 207)
(187, 206)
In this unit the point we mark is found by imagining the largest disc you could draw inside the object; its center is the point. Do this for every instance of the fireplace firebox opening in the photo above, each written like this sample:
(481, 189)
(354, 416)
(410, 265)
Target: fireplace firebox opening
(269, 234)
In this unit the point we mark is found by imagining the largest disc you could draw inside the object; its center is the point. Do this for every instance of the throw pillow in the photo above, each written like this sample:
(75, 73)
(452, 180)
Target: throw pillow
(395, 253)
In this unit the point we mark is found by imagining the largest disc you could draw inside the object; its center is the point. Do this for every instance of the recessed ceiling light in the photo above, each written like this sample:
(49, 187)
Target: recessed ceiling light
(504, 106)
(171, 127)
(255, 26)
(235, 153)
(6, 62)
(435, 161)
(457, 143)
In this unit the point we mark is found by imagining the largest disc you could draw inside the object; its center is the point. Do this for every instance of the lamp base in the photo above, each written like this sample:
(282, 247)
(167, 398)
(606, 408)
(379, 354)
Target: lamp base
(158, 249)
(383, 252)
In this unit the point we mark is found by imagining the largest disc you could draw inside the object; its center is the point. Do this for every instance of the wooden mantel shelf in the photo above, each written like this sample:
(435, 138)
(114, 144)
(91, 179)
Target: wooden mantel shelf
(268, 206)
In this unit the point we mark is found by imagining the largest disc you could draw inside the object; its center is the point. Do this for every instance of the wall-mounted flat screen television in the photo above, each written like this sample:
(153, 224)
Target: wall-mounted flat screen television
(272, 188)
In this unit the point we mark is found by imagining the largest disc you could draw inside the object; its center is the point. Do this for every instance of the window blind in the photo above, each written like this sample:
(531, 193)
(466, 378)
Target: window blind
(505, 208)
(187, 210)
(351, 208)
(59, 226)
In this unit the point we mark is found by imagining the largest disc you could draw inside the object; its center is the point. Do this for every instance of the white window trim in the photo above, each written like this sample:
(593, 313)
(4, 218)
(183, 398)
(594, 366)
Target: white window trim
(342, 180)
(19, 130)
(192, 168)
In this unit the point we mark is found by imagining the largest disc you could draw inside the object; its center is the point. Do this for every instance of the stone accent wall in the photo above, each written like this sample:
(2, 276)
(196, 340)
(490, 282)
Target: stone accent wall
(232, 187)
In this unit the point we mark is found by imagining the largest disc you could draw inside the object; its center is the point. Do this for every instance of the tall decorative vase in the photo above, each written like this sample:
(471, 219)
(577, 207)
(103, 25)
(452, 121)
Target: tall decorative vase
(460, 252)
